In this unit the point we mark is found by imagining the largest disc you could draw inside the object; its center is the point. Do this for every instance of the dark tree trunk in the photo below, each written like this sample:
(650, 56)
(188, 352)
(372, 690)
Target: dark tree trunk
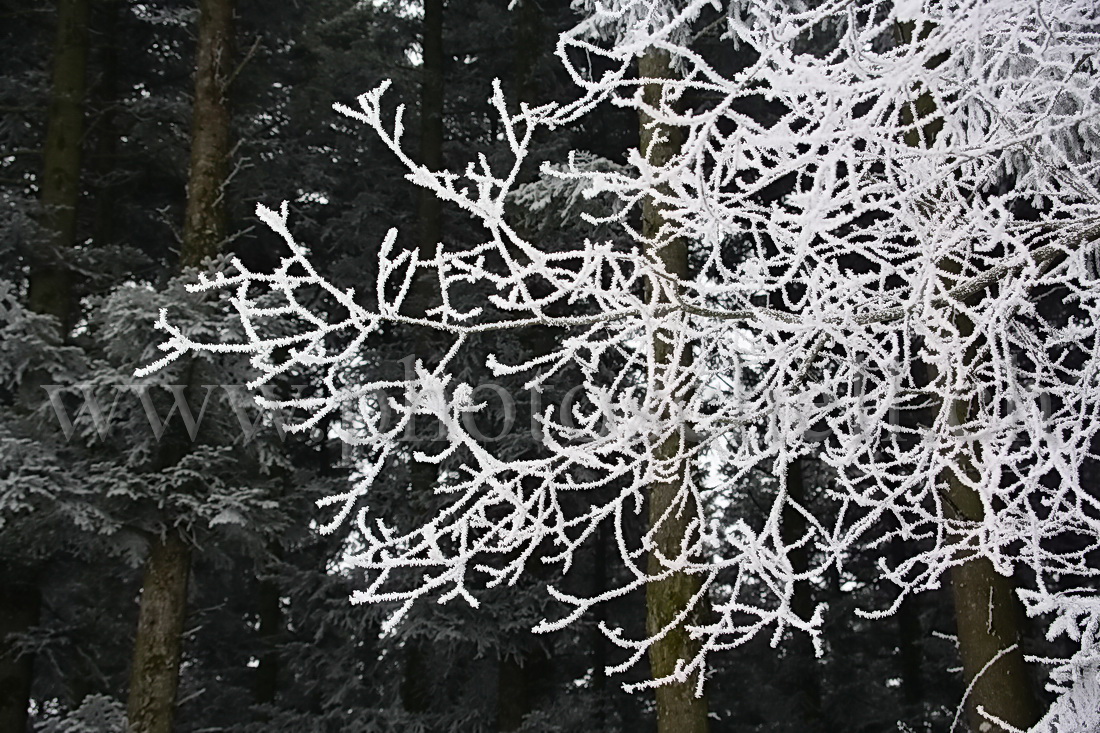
(528, 28)
(50, 292)
(988, 616)
(803, 670)
(599, 641)
(104, 163)
(50, 277)
(989, 622)
(20, 605)
(512, 694)
(204, 223)
(154, 676)
(415, 691)
(678, 708)
(910, 641)
(429, 207)
(518, 686)
(271, 625)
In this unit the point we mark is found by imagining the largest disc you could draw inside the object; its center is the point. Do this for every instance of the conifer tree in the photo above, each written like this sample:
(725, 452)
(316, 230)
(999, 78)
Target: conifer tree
(155, 670)
(50, 293)
(841, 350)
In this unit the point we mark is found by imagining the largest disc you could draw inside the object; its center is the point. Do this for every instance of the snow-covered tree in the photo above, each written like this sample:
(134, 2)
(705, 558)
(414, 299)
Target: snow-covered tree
(893, 269)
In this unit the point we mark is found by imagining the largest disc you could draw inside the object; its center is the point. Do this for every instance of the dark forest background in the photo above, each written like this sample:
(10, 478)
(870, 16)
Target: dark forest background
(136, 139)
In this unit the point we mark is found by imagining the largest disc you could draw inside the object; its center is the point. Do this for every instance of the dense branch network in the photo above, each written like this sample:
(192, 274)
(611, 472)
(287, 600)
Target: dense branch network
(923, 183)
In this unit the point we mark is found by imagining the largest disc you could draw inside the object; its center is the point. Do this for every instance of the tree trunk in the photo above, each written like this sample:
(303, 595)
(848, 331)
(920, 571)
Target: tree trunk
(271, 625)
(20, 605)
(204, 221)
(429, 206)
(50, 292)
(599, 641)
(678, 708)
(989, 619)
(415, 691)
(50, 277)
(910, 640)
(528, 29)
(987, 612)
(154, 676)
(512, 697)
(518, 685)
(803, 671)
(104, 155)
(988, 616)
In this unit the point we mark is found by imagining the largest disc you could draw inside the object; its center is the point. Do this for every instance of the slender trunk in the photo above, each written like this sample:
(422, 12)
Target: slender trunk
(802, 668)
(599, 641)
(512, 697)
(520, 679)
(104, 155)
(20, 606)
(50, 277)
(204, 223)
(50, 292)
(154, 676)
(988, 616)
(429, 206)
(679, 710)
(415, 691)
(266, 684)
(910, 640)
(518, 685)
(528, 30)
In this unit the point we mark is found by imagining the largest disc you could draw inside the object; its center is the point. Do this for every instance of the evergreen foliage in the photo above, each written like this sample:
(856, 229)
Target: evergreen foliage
(97, 464)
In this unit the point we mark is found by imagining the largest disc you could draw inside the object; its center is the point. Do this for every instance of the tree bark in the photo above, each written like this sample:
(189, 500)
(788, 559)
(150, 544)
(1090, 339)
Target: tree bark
(271, 625)
(415, 691)
(50, 293)
(989, 619)
(154, 675)
(988, 616)
(910, 640)
(50, 278)
(204, 223)
(429, 206)
(518, 685)
(20, 606)
(678, 708)
(104, 155)
(512, 694)
(802, 665)
(599, 641)
(528, 29)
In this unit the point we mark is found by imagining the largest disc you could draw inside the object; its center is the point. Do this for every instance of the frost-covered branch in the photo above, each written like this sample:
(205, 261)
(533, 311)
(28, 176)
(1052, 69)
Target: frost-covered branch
(860, 253)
